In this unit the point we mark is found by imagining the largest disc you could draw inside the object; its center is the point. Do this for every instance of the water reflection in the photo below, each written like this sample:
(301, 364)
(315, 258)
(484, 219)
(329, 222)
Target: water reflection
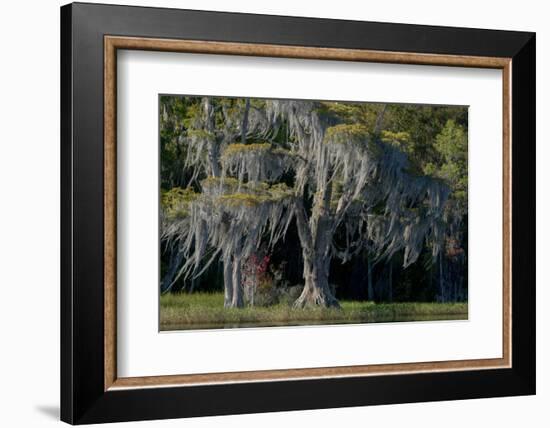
(381, 319)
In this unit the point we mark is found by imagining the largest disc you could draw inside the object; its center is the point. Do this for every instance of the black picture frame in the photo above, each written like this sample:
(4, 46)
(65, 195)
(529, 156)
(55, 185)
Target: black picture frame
(83, 398)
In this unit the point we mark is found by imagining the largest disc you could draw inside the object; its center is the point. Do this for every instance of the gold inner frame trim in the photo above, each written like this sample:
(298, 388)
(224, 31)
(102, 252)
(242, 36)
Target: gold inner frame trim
(113, 43)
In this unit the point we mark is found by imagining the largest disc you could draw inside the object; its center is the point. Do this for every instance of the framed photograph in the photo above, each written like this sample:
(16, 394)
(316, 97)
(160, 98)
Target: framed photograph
(266, 213)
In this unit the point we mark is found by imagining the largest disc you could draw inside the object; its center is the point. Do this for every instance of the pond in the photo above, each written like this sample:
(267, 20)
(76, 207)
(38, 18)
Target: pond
(378, 319)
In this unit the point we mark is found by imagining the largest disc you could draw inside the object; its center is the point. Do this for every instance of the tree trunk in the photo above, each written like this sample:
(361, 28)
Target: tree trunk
(253, 291)
(314, 237)
(244, 124)
(237, 300)
(192, 286)
(168, 280)
(456, 279)
(213, 145)
(442, 291)
(370, 286)
(227, 282)
(213, 156)
(380, 120)
(316, 290)
(390, 282)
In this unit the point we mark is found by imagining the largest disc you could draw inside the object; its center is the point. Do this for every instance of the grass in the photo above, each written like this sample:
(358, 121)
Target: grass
(205, 310)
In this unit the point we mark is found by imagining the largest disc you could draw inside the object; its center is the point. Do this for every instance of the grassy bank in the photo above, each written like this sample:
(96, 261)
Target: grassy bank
(205, 310)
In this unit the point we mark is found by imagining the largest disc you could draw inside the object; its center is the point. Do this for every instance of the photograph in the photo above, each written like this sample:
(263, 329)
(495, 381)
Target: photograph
(261, 211)
(292, 212)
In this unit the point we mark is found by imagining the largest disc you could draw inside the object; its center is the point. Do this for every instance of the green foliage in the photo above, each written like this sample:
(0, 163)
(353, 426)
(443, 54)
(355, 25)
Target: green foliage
(452, 142)
(423, 123)
(217, 181)
(175, 202)
(242, 199)
(452, 147)
(174, 112)
(280, 191)
(233, 149)
(400, 139)
(200, 133)
(347, 133)
(351, 113)
(256, 194)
